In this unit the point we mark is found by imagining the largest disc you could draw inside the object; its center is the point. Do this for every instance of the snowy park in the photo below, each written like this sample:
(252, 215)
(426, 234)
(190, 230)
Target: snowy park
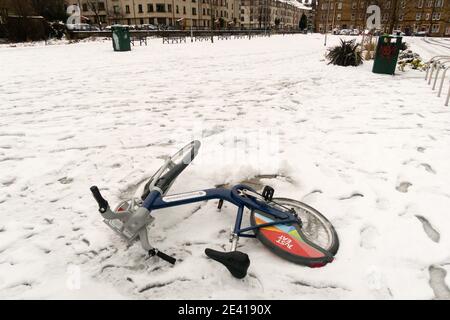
(369, 151)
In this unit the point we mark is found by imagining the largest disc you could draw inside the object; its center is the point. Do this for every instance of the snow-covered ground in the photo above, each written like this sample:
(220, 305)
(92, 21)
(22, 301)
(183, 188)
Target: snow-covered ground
(369, 151)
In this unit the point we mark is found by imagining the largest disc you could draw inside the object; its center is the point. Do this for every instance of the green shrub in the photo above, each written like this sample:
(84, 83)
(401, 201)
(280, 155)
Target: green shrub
(345, 54)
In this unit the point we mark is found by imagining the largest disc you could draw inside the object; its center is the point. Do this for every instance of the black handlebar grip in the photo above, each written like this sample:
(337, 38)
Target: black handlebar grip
(102, 203)
(164, 256)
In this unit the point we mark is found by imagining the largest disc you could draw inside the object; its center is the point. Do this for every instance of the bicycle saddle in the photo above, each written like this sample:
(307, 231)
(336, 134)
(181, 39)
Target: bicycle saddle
(235, 261)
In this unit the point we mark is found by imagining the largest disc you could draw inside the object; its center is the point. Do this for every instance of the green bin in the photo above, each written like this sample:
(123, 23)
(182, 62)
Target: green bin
(121, 38)
(386, 55)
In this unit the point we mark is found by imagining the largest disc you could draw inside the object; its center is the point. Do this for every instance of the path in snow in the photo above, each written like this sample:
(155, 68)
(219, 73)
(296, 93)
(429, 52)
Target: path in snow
(369, 151)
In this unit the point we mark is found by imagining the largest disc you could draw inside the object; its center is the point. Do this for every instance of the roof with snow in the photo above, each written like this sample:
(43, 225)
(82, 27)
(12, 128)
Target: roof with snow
(296, 3)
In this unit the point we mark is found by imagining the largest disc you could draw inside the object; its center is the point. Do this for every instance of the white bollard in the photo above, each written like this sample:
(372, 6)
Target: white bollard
(432, 71)
(442, 81)
(448, 95)
(436, 77)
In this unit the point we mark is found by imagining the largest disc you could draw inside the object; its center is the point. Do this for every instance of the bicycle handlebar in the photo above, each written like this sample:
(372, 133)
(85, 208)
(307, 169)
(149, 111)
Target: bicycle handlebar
(102, 203)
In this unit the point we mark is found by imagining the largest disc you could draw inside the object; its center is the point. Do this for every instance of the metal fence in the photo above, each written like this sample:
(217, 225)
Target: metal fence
(74, 35)
(434, 68)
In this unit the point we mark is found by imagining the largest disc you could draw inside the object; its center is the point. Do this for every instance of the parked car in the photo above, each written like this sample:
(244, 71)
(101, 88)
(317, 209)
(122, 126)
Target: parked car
(420, 34)
(345, 32)
(81, 27)
(114, 25)
(147, 27)
(398, 33)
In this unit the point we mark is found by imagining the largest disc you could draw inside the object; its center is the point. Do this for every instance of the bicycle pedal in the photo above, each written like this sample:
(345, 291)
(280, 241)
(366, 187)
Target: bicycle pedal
(268, 193)
(235, 261)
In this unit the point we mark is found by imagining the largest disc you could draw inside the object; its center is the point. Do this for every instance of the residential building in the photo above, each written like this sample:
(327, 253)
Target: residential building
(265, 14)
(180, 13)
(409, 16)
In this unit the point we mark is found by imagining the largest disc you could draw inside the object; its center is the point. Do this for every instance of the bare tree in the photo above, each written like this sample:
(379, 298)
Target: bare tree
(94, 6)
(49, 9)
(399, 9)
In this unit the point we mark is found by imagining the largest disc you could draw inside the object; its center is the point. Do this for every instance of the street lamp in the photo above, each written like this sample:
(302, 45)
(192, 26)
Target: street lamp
(326, 22)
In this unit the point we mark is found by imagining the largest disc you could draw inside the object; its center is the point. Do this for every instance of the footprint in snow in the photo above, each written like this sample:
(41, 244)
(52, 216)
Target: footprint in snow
(421, 149)
(376, 283)
(428, 168)
(403, 187)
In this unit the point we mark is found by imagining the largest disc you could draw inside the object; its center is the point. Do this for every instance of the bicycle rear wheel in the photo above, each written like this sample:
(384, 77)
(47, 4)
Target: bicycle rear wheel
(314, 243)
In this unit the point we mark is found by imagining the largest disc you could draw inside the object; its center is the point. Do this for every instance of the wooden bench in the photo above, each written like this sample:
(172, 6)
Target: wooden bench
(142, 40)
(202, 38)
(240, 36)
(224, 36)
(172, 39)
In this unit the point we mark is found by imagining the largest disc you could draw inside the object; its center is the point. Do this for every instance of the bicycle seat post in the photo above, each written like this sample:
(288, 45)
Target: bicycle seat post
(234, 237)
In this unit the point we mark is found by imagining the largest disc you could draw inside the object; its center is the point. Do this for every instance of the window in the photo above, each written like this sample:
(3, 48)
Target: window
(3, 15)
(169, 8)
(176, 9)
(401, 17)
(194, 11)
(387, 5)
(127, 9)
(353, 16)
(435, 28)
(439, 3)
(339, 6)
(85, 7)
(338, 17)
(436, 16)
(101, 6)
(150, 7)
(140, 10)
(141, 21)
(418, 16)
(160, 7)
(354, 5)
(420, 4)
(184, 10)
(116, 9)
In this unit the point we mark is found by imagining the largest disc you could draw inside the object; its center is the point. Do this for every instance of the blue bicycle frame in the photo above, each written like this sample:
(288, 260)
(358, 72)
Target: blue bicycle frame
(154, 201)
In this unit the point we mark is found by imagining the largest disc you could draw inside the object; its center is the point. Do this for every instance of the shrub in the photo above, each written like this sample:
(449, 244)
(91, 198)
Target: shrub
(410, 59)
(404, 46)
(370, 46)
(345, 54)
(369, 50)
